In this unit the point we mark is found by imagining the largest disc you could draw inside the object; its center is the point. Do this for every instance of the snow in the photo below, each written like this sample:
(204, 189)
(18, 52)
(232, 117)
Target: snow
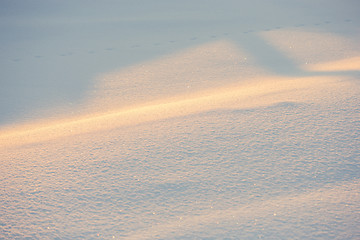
(192, 121)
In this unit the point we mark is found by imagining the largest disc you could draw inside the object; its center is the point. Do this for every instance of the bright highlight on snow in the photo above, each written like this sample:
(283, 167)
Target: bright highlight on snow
(248, 129)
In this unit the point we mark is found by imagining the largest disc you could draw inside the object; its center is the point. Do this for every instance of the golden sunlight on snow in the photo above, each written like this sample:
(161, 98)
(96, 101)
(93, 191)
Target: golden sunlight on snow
(307, 47)
(164, 147)
(266, 91)
(348, 64)
(214, 76)
(208, 66)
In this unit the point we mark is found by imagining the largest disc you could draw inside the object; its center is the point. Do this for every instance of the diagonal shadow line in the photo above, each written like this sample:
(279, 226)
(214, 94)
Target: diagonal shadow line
(267, 56)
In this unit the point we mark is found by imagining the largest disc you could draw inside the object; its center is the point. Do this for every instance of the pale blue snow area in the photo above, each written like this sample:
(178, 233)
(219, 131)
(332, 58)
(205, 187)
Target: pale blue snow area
(207, 161)
(51, 52)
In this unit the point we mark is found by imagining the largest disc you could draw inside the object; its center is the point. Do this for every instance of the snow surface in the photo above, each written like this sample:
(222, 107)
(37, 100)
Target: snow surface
(188, 120)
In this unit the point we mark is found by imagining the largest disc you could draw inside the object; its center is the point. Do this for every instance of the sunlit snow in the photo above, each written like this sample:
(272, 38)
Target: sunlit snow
(180, 120)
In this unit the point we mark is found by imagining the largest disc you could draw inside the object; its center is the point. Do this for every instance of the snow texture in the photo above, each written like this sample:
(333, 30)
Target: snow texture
(192, 121)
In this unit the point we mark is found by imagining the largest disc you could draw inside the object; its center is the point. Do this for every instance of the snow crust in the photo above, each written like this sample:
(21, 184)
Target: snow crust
(190, 121)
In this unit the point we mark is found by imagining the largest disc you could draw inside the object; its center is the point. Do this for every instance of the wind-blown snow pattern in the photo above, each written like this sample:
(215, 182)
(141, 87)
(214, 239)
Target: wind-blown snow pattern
(251, 135)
